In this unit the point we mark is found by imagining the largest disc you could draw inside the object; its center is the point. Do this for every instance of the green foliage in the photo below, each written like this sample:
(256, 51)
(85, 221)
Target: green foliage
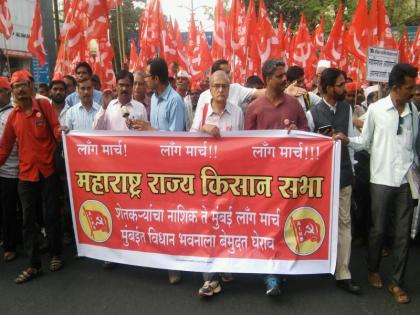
(131, 15)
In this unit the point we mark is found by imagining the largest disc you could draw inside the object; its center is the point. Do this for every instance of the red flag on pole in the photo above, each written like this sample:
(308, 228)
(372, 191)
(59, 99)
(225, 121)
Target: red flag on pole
(6, 26)
(133, 56)
(266, 33)
(356, 40)
(318, 40)
(220, 45)
(333, 50)
(404, 48)
(169, 42)
(253, 57)
(36, 40)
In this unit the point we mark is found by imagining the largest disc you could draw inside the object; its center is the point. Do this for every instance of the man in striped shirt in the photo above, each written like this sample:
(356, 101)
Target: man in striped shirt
(81, 115)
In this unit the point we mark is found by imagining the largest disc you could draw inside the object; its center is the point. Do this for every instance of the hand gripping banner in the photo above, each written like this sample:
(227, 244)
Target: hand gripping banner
(249, 202)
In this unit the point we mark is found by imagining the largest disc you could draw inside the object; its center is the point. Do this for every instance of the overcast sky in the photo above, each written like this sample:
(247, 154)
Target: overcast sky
(180, 10)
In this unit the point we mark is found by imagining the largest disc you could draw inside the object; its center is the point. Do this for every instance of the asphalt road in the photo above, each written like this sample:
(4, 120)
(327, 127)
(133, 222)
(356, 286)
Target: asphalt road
(84, 287)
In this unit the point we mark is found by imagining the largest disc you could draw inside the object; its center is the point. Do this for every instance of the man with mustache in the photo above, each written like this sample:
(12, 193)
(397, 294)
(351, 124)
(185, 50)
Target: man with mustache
(120, 113)
(33, 125)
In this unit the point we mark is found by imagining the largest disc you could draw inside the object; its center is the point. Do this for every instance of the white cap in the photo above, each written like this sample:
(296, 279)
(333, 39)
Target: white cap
(183, 74)
(323, 64)
(371, 89)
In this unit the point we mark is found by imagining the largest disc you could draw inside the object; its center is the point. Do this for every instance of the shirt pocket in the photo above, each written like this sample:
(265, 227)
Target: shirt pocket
(41, 129)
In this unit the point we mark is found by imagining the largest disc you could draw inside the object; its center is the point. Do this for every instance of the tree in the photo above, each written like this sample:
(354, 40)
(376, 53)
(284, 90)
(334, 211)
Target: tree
(130, 20)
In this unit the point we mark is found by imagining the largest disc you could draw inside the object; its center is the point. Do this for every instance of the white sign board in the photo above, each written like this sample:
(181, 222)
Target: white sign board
(380, 62)
(21, 12)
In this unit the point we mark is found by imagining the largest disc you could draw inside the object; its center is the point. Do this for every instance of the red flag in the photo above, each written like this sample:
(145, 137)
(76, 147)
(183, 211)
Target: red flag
(169, 42)
(404, 48)
(237, 26)
(103, 64)
(302, 48)
(318, 42)
(344, 63)
(278, 50)
(380, 32)
(97, 221)
(221, 45)
(415, 50)
(356, 41)
(6, 26)
(149, 34)
(266, 33)
(333, 49)
(133, 56)
(288, 43)
(36, 40)
(183, 60)
(253, 57)
(306, 230)
(201, 59)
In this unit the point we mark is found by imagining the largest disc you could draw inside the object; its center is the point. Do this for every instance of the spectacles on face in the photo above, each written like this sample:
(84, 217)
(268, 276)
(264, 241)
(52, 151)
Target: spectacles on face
(400, 122)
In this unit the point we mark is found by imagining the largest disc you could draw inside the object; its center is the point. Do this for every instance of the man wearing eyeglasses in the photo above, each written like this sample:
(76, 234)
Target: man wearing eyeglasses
(389, 132)
(332, 114)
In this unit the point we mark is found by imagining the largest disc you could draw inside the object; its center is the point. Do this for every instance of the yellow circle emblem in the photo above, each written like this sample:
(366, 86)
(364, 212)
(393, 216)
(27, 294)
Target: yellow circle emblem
(95, 220)
(304, 231)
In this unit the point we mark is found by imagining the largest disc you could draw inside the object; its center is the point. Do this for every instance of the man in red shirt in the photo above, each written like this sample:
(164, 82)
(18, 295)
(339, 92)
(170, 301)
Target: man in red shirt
(276, 109)
(34, 126)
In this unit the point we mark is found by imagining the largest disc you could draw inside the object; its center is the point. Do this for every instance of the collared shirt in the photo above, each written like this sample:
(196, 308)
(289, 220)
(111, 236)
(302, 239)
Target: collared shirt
(78, 118)
(10, 168)
(168, 111)
(112, 118)
(238, 95)
(232, 118)
(391, 155)
(262, 114)
(36, 144)
(74, 98)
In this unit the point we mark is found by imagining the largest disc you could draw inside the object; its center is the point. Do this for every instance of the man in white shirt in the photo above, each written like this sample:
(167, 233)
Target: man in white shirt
(120, 113)
(390, 133)
(238, 94)
(182, 88)
(216, 116)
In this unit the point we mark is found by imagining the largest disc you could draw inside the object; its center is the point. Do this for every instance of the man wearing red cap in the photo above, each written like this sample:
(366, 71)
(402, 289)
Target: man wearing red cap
(8, 180)
(34, 126)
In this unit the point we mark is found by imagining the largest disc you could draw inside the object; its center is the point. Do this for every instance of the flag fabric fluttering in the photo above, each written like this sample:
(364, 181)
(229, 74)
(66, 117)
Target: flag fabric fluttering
(36, 39)
(6, 26)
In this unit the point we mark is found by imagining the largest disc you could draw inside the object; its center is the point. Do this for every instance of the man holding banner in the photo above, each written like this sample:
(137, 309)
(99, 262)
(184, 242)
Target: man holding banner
(219, 115)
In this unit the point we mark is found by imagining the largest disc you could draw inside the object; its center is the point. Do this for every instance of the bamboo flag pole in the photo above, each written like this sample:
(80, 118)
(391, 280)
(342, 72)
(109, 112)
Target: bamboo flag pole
(7, 56)
(122, 33)
(119, 36)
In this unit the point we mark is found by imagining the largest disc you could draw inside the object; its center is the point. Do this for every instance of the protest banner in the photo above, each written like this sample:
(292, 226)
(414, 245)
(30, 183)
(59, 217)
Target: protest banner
(251, 202)
(379, 63)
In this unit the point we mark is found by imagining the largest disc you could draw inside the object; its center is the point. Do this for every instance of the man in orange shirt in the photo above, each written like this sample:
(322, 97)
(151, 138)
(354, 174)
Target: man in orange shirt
(34, 126)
